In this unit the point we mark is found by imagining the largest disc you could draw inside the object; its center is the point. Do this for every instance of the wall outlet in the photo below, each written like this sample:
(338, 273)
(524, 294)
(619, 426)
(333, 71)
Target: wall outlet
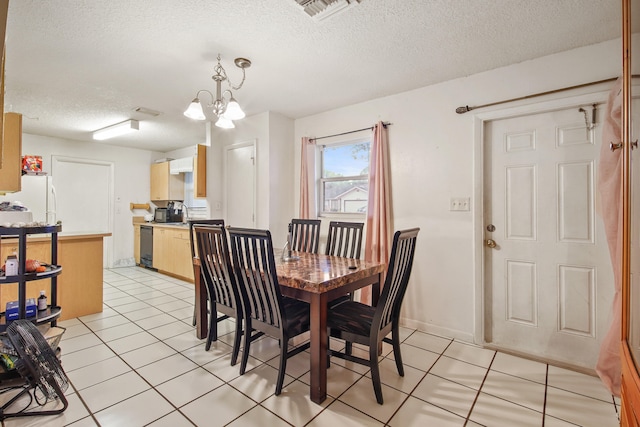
(460, 204)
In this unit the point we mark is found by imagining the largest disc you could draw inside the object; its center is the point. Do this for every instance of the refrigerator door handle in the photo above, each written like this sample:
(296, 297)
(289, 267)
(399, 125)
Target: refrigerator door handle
(54, 203)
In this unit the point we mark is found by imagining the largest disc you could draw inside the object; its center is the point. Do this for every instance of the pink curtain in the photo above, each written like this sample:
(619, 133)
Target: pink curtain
(610, 188)
(379, 228)
(306, 205)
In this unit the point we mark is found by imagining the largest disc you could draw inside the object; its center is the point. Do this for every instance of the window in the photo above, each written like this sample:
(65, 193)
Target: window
(197, 207)
(344, 184)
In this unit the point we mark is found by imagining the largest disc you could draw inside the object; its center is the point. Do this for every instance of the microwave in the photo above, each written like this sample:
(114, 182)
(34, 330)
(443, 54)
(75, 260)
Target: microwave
(166, 215)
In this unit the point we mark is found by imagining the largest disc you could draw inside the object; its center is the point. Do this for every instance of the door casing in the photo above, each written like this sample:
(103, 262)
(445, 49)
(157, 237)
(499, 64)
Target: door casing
(479, 120)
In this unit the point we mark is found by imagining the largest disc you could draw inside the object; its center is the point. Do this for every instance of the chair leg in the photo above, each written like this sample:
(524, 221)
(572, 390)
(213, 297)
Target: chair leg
(375, 371)
(348, 348)
(236, 342)
(213, 320)
(212, 335)
(247, 344)
(395, 338)
(328, 348)
(283, 364)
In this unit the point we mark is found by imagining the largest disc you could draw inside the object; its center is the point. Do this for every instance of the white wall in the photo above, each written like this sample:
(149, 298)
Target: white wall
(131, 178)
(432, 148)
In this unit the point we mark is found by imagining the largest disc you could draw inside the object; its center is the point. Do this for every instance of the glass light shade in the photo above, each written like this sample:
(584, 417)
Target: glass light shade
(225, 123)
(233, 111)
(194, 111)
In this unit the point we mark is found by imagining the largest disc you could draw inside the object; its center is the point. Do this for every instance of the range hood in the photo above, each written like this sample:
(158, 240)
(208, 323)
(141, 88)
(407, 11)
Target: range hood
(184, 164)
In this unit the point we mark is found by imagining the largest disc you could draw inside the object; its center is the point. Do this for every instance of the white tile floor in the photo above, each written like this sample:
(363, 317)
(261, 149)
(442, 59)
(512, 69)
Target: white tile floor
(138, 363)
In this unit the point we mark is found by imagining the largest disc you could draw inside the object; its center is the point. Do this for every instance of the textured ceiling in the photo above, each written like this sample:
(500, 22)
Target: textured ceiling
(74, 66)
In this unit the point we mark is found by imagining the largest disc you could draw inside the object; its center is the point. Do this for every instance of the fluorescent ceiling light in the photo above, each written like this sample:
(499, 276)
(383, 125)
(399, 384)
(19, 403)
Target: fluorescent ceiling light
(116, 130)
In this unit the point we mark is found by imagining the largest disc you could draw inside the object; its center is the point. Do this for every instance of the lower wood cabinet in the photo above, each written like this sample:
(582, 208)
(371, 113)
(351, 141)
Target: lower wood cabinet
(136, 243)
(172, 251)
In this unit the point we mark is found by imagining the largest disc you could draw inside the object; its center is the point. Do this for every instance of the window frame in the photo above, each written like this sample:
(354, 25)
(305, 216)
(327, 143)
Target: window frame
(321, 180)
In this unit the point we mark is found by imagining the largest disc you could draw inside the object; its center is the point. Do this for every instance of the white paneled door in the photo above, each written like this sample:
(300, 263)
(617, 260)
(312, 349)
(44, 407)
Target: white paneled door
(240, 185)
(548, 279)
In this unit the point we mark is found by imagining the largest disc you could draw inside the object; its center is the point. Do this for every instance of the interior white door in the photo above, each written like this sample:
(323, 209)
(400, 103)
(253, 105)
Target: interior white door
(84, 194)
(240, 185)
(548, 281)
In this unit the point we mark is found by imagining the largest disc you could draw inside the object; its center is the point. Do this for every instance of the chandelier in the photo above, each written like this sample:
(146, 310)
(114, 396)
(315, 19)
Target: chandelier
(226, 110)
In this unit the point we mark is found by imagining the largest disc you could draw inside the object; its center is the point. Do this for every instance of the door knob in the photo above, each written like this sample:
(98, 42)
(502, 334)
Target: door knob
(490, 243)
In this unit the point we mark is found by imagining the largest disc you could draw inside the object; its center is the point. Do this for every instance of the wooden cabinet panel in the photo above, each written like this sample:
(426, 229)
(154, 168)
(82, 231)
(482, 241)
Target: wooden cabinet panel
(136, 243)
(40, 251)
(200, 172)
(172, 252)
(79, 284)
(165, 186)
(11, 170)
(161, 244)
(181, 262)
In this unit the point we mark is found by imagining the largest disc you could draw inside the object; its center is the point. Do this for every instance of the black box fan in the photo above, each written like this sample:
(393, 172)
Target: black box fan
(38, 365)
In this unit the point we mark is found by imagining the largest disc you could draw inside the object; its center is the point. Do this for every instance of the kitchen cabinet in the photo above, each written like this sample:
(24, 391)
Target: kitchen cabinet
(11, 169)
(161, 245)
(165, 186)
(136, 243)
(4, 8)
(172, 251)
(200, 172)
(181, 263)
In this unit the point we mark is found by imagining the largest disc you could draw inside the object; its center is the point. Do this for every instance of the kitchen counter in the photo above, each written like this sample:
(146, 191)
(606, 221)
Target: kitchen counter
(79, 284)
(180, 225)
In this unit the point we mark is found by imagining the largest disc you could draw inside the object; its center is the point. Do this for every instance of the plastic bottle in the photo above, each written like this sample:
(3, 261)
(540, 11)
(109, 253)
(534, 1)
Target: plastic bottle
(11, 266)
(42, 301)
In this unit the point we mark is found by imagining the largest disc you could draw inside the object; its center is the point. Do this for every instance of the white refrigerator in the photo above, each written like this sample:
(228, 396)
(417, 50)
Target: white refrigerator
(38, 195)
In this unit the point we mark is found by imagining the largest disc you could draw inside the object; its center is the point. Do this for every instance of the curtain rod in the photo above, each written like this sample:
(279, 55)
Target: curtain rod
(466, 108)
(351, 131)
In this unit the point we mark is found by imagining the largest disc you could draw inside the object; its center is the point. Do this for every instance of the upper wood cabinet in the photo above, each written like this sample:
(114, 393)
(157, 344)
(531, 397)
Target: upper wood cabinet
(4, 7)
(11, 170)
(165, 186)
(200, 172)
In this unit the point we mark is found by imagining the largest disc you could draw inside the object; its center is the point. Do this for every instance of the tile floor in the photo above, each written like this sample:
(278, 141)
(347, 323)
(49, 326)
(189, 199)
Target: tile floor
(138, 363)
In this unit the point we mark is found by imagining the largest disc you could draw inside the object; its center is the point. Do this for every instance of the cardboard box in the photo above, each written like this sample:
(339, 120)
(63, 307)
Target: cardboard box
(12, 313)
(31, 163)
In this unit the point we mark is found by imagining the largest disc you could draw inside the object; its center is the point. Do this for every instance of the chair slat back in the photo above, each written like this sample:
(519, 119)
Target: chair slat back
(215, 264)
(398, 273)
(344, 239)
(305, 235)
(253, 260)
(194, 222)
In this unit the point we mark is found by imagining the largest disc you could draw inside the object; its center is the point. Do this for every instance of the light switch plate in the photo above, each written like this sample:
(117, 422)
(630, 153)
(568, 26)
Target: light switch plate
(460, 204)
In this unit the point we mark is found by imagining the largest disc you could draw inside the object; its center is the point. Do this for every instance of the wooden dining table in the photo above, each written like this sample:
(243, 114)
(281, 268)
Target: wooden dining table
(316, 279)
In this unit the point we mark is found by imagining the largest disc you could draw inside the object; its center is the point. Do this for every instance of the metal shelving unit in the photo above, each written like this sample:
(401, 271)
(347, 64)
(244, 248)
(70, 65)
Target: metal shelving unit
(52, 271)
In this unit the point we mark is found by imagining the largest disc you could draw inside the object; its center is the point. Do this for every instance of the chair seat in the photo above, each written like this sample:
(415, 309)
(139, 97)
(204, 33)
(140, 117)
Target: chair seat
(352, 317)
(298, 316)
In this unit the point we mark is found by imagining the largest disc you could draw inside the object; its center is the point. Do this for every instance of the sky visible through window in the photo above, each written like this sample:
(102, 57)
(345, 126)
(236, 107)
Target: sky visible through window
(340, 161)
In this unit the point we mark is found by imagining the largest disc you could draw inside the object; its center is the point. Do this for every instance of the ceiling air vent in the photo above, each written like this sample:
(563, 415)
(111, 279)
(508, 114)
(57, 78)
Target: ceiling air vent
(322, 9)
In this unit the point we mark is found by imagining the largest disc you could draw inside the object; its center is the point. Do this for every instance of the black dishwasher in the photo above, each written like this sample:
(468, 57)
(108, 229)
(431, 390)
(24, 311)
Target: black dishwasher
(146, 246)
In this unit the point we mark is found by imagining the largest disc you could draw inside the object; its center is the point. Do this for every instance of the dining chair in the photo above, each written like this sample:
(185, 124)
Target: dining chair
(192, 223)
(265, 309)
(305, 235)
(219, 278)
(359, 323)
(344, 239)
